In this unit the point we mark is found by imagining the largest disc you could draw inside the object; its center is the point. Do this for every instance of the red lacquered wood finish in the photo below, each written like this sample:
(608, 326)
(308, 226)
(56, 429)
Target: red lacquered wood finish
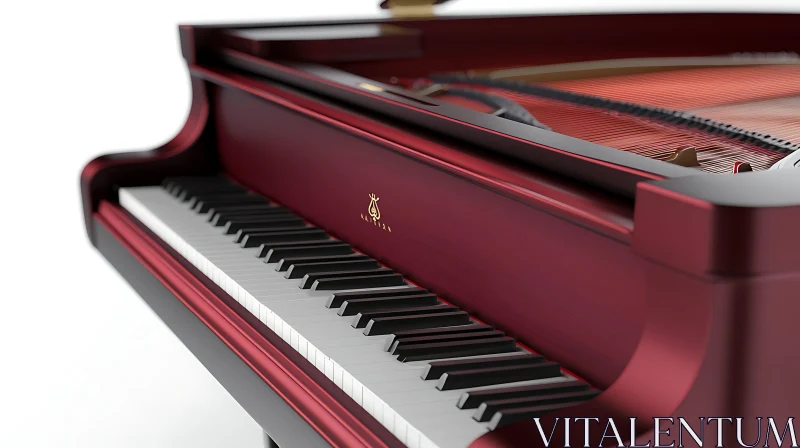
(677, 303)
(484, 251)
(339, 421)
(489, 42)
(190, 152)
(719, 336)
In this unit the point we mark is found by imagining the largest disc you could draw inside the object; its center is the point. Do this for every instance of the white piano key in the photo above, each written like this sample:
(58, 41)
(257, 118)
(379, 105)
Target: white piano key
(347, 383)
(302, 346)
(368, 400)
(386, 377)
(312, 354)
(400, 428)
(304, 307)
(388, 417)
(377, 367)
(377, 408)
(358, 391)
(337, 375)
(314, 318)
(386, 387)
(351, 341)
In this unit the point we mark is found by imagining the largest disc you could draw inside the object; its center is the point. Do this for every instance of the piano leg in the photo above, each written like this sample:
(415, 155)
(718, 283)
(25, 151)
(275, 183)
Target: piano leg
(268, 442)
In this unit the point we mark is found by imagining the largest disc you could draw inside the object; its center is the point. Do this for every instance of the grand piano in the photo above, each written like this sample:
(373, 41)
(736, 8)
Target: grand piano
(444, 231)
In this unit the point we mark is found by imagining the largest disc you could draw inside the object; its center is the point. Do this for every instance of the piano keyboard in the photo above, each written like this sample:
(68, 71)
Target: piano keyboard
(425, 369)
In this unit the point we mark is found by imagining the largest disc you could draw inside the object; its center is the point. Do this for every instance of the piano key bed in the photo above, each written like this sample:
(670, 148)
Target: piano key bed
(426, 370)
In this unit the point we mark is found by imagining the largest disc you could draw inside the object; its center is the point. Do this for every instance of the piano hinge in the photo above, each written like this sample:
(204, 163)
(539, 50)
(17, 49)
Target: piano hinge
(411, 9)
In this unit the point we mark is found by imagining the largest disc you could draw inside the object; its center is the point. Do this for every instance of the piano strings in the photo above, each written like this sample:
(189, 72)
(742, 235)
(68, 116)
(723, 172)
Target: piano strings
(728, 115)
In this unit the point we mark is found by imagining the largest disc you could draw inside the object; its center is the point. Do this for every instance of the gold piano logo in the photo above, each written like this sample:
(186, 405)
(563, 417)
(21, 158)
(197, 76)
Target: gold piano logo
(373, 215)
(373, 209)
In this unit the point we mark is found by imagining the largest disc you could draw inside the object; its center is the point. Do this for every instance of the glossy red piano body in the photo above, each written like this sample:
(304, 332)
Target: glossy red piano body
(673, 291)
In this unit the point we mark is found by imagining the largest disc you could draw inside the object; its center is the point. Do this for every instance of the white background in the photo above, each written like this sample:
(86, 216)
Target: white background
(83, 362)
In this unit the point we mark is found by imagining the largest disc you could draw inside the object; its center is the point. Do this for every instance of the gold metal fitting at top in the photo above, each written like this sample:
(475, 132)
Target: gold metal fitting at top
(411, 9)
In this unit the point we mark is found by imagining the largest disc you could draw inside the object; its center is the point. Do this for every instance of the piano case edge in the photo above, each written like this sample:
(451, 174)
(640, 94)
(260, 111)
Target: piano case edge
(294, 403)
(190, 152)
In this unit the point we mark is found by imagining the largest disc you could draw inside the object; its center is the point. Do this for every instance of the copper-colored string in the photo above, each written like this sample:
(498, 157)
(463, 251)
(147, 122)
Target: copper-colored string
(764, 99)
(641, 136)
(692, 88)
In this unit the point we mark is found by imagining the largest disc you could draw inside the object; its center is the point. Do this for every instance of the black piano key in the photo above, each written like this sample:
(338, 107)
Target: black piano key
(309, 279)
(247, 212)
(300, 269)
(336, 300)
(398, 345)
(240, 229)
(204, 182)
(218, 216)
(187, 192)
(388, 325)
(508, 416)
(264, 249)
(285, 263)
(223, 219)
(206, 205)
(224, 197)
(341, 279)
(309, 234)
(462, 379)
(242, 233)
(472, 399)
(363, 282)
(175, 189)
(194, 195)
(174, 181)
(435, 370)
(197, 180)
(354, 306)
(329, 248)
(456, 349)
(270, 227)
(361, 319)
(487, 409)
(470, 328)
(226, 218)
(200, 178)
(169, 184)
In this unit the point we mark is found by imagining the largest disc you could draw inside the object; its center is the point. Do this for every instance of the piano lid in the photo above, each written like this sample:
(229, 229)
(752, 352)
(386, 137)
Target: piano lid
(420, 9)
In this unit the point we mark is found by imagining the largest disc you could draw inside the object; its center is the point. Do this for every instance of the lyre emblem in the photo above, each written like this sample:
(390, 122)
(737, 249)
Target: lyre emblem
(373, 209)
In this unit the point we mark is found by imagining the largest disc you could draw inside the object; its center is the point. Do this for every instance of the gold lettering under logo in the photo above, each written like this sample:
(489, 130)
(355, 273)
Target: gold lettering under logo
(373, 209)
(373, 215)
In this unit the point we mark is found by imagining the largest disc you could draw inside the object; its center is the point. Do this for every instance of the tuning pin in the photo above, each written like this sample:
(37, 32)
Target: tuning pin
(741, 167)
(686, 156)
